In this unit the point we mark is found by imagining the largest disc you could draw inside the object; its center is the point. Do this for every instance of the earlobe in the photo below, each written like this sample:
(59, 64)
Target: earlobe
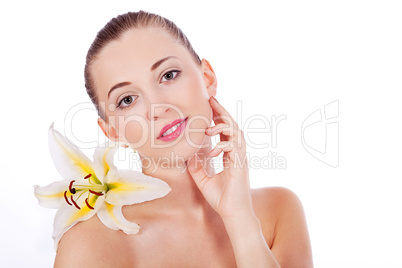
(209, 78)
(108, 130)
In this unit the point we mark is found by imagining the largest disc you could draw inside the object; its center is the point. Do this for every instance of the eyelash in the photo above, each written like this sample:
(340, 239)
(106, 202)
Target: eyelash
(122, 99)
(172, 71)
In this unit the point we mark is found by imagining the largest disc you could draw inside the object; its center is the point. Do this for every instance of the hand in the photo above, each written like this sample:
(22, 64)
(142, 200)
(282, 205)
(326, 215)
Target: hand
(228, 192)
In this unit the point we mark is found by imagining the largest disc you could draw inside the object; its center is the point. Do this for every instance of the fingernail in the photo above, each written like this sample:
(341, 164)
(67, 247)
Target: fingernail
(214, 99)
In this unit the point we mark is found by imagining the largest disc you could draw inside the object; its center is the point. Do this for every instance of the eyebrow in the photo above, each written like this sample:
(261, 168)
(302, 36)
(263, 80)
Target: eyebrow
(159, 62)
(122, 84)
(153, 67)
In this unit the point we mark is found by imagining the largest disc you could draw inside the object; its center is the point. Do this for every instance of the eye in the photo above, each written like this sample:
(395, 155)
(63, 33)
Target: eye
(126, 101)
(169, 76)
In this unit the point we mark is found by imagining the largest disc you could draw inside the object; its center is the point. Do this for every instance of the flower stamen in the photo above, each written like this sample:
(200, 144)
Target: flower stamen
(86, 201)
(89, 177)
(65, 197)
(75, 204)
(72, 190)
(95, 193)
(84, 189)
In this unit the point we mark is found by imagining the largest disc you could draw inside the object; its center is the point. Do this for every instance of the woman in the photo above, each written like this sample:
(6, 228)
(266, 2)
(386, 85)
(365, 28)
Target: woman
(153, 92)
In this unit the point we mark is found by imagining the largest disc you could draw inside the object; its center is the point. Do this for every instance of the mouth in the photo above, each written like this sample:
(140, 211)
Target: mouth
(172, 131)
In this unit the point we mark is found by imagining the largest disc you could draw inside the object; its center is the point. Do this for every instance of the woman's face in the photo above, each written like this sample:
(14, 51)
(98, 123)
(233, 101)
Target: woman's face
(145, 81)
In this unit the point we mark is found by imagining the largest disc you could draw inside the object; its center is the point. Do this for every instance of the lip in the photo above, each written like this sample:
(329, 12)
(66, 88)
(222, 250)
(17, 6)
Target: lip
(176, 133)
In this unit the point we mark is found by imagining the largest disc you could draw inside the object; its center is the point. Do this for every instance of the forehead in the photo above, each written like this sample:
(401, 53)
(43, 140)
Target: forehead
(149, 36)
(133, 54)
(139, 47)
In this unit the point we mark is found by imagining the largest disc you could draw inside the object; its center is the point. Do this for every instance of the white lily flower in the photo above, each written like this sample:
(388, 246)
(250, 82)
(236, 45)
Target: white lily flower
(91, 188)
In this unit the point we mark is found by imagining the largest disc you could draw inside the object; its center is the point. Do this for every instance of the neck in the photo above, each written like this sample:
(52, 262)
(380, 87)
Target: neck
(185, 198)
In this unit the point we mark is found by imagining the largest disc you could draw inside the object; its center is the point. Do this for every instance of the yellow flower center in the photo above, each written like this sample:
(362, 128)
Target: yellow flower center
(75, 192)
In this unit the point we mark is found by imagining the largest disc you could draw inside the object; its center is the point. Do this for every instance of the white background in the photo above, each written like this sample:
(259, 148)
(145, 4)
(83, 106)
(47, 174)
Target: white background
(276, 58)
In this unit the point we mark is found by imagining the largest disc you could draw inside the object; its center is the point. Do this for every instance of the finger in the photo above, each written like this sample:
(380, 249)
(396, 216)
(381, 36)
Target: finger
(224, 129)
(221, 128)
(231, 154)
(220, 115)
(197, 172)
(223, 146)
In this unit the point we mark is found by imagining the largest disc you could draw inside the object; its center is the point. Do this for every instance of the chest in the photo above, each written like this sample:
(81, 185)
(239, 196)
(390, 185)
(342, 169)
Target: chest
(181, 247)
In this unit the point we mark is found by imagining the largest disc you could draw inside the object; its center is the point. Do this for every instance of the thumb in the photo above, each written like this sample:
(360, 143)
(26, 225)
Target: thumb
(197, 171)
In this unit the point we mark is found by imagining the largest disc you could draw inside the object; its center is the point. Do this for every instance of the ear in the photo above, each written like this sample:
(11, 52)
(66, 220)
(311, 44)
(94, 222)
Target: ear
(209, 78)
(108, 130)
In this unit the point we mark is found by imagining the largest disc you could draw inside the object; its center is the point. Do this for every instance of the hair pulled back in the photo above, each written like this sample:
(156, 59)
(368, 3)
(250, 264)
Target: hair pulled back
(115, 28)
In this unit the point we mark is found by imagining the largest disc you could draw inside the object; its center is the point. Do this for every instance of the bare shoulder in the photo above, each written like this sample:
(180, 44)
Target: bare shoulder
(270, 202)
(273, 197)
(91, 244)
(283, 222)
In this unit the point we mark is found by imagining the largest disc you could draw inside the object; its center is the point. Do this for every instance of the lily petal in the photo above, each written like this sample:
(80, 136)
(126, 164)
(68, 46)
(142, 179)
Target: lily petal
(112, 217)
(67, 217)
(103, 158)
(128, 187)
(68, 158)
(52, 195)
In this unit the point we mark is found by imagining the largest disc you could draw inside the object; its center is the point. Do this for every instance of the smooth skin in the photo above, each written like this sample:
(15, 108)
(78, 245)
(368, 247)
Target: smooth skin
(208, 219)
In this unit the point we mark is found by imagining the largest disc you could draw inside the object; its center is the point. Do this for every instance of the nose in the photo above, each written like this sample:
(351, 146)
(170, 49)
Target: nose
(156, 111)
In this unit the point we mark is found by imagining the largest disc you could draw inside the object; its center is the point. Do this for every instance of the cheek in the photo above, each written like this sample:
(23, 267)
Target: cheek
(201, 115)
(134, 130)
(194, 96)
(195, 101)
(200, 119)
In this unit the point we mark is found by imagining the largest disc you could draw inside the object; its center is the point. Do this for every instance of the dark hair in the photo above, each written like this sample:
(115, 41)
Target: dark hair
(115, 28)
